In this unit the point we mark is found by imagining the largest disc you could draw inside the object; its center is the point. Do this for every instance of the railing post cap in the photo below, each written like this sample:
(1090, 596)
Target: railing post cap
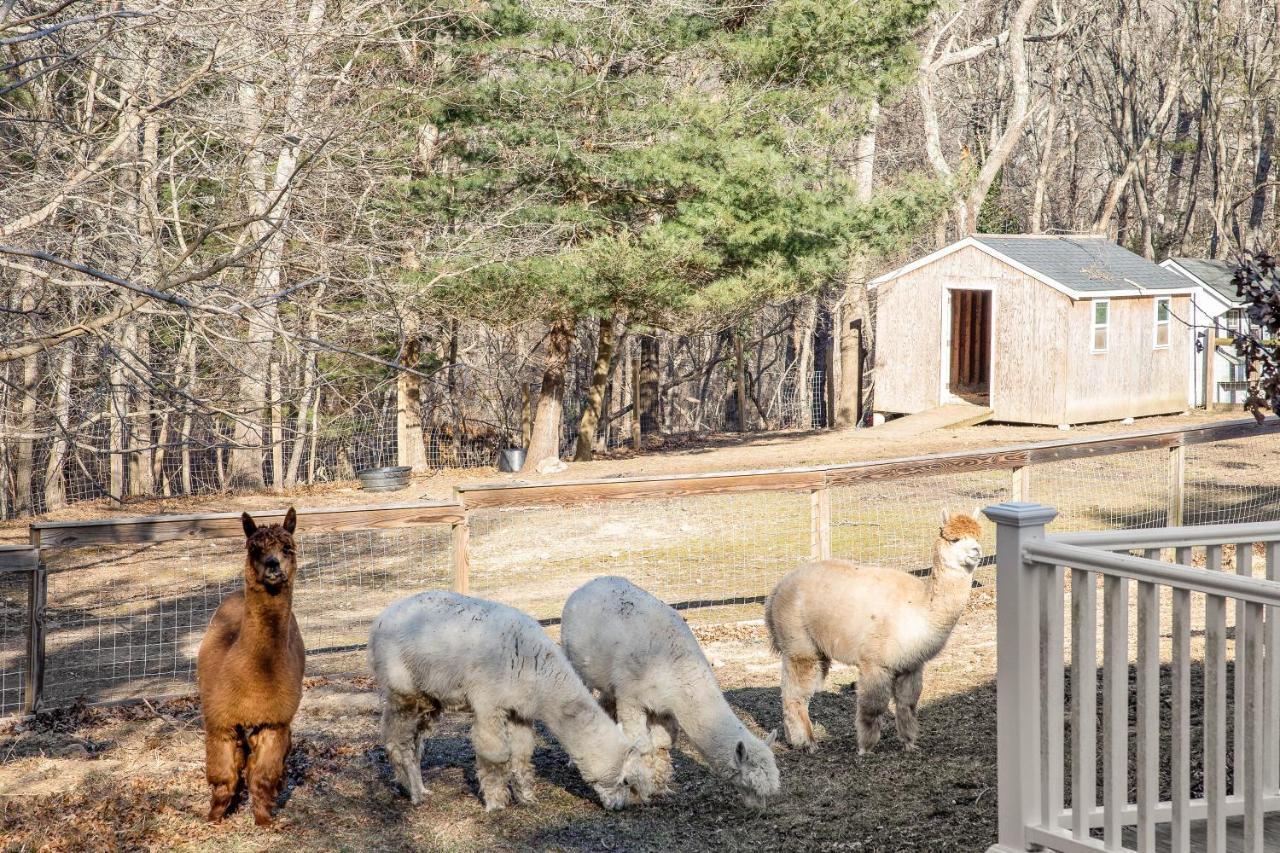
(1020, 513)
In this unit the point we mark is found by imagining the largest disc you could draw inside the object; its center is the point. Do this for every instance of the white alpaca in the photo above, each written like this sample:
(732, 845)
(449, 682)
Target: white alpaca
(648, 666)
(887, 622)
(441, 651)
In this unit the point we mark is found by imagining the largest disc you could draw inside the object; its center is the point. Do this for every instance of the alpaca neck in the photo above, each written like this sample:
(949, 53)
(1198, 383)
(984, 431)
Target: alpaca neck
(583, 729)
(266, 615)
(712, 726)
(948, 587)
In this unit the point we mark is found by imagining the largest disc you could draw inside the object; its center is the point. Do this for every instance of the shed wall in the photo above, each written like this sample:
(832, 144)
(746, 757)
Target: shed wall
(1133, 378)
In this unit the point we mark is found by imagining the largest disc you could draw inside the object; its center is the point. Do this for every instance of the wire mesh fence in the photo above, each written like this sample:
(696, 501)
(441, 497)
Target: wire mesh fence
(718, 555)
(125, 621)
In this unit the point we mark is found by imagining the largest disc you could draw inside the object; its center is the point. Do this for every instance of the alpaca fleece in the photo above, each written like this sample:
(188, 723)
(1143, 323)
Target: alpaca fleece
(647, 665)
(249, 671)
(886, 622)
(439, 651)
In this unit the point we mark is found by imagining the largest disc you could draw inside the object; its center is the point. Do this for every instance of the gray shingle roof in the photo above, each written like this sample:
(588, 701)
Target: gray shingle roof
(1216, 274)
(1084, 263)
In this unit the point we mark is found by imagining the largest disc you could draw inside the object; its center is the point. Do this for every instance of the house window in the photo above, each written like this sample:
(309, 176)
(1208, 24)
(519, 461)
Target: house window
(1101, 322)
(1234, 318)
(1162, 322)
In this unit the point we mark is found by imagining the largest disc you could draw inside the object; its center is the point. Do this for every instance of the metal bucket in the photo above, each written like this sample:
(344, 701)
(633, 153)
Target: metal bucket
(511, 459)
(390, 479)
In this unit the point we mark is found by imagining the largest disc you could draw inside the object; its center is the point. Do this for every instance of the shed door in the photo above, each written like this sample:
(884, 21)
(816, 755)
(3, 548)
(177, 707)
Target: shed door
(970, 343)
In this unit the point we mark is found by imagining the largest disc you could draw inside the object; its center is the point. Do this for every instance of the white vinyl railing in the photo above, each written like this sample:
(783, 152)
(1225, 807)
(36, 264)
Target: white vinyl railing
(1048, 779)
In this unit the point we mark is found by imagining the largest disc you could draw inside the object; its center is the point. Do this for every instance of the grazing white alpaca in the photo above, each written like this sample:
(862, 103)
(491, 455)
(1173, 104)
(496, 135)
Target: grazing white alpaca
(885, 621)
(648, 666)
(441, 651)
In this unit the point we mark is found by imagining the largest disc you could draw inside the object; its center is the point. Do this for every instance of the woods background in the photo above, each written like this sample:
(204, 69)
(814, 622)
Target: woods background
(279, 243)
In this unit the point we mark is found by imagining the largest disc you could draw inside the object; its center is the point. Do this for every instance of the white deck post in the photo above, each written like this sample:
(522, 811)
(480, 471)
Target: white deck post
(1017, 671)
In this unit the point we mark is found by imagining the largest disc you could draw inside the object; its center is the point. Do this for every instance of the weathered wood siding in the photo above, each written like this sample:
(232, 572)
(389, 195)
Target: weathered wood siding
(1043, 371)
(908, 337)
(1031, 350)
(1132, 378)
(1030, 333)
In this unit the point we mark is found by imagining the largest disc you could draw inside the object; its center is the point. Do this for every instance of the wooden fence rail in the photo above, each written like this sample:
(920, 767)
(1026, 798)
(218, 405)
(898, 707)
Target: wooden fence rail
(815, 480)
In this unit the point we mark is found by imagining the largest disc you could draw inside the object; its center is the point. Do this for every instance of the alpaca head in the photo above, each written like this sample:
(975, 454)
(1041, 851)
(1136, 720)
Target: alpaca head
(273, 558)
(755, 772)
(631, 781)
(958, 540)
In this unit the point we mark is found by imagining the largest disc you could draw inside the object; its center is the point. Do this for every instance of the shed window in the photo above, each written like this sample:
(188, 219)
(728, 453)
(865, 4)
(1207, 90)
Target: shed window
(1162, 322)
(1101, 324)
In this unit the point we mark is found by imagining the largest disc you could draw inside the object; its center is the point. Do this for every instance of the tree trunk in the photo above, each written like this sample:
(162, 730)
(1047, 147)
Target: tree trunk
(595, 393)
(544, 443)
(138, 435)
(24, 464)
(411, 450)
(1262, 170)
(650, 381)
(55, 479)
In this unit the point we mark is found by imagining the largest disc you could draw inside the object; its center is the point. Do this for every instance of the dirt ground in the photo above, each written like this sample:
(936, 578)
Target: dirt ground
(131, 777)
(726, 452)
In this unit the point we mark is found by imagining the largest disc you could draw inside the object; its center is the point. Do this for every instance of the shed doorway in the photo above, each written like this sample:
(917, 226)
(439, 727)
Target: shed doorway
(969, 376)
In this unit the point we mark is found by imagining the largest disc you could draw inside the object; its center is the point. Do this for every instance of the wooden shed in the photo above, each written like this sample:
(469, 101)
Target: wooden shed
(1041, 329)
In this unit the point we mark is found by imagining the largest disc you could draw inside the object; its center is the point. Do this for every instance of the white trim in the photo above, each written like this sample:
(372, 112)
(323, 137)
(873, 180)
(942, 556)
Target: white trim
(1167, 323)
(1094, 326)
(1025, 270)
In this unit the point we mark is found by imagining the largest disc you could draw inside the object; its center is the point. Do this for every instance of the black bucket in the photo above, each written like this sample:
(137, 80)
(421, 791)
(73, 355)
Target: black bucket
(511, 459)
(391, 479)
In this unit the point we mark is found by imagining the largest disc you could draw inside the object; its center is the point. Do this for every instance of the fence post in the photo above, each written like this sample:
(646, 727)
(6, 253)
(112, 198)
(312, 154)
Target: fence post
(36, 599)
(462, 555)
(820, 524)
(1020, 488)
(1177, 483)
(1018, 697)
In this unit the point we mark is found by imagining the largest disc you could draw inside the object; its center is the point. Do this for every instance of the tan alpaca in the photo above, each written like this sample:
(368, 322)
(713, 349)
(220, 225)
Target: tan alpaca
(886, 622)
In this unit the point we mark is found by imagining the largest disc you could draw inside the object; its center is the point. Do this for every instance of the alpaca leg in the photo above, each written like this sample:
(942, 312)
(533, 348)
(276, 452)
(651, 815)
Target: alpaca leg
(520, 736)
(875, 687)
(267, 750)
(223, 761)
(906, 695)
(663, 731)
(801, 678)
(406, 723)
(493, 758)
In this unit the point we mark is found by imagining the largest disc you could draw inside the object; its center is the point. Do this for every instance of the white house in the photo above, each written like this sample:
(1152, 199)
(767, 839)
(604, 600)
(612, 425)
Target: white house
(1214, 301)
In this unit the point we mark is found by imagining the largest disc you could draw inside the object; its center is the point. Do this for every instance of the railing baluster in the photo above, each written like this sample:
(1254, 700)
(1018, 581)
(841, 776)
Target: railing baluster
(1271, 680)
(1051, 729)
(1215, 718)
(1148, 766)
(1180, 724)
(1249, 780)
(1084, 699)
(1241, 758)
(1115, 707)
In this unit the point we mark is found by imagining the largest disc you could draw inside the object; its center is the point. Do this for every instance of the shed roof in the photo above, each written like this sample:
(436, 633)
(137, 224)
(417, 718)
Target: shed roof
(1217, 275)
(1082, 266)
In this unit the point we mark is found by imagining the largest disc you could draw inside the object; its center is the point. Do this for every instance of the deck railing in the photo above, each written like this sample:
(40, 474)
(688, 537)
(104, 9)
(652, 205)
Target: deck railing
(1048, 743)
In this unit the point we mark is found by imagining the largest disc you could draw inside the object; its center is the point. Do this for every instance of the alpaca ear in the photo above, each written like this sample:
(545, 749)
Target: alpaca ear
(976, 510)
(771, 738)
(290, 521)
(247, 522)
(946, 515)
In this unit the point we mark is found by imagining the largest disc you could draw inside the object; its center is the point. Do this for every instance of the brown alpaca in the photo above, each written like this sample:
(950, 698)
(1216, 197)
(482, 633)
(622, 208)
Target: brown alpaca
(885, 621)
(250, 673)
